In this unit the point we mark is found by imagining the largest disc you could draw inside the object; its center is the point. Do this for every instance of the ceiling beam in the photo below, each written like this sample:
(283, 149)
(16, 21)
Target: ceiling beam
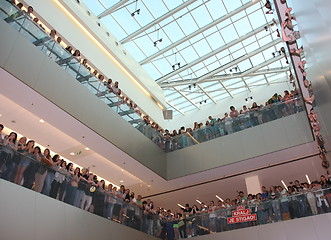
(187, 98)
(225, 77)
(201, 30)
(266, 79)
(216, 51)
(243, 58)
(156, 21)
(250, 72)
(242, 79)
(226, 89)
(208, 95)
(176, 108)
(112, 8)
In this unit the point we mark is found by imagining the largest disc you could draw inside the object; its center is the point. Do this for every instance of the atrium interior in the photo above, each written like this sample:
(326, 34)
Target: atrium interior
(195, 58)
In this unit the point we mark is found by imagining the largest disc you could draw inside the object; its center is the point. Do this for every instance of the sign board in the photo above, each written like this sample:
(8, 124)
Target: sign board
(241, 215)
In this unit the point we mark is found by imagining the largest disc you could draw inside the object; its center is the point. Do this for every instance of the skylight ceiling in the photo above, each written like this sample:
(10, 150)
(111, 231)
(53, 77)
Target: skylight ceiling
(198, 51)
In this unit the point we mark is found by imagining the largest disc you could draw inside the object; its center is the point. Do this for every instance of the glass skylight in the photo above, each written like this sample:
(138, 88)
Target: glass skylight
(197, 50)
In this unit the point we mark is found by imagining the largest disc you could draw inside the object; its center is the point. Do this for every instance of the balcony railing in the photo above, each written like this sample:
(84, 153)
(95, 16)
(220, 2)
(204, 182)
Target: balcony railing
(58, 183)
(220, 128)
(21, 21)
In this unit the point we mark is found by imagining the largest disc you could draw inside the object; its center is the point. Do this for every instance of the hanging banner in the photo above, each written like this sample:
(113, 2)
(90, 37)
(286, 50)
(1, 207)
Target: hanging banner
(241, 215)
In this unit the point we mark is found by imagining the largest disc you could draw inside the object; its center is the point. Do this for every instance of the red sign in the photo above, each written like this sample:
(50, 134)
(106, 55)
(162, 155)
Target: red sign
(242, 215)
(243, 212)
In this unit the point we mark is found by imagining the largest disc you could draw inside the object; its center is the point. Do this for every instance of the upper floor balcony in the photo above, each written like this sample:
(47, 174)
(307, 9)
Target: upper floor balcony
(88, 99)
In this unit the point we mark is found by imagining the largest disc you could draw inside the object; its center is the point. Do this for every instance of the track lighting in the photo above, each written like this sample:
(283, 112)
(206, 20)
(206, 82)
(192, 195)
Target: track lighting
(135, 12)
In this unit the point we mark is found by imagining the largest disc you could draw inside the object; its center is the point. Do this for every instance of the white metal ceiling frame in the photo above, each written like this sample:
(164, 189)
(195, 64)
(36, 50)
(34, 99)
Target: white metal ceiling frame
(201, 30)
(156, 21)
(250, 72)
(235, 62)
(112, 8)
(208, 55)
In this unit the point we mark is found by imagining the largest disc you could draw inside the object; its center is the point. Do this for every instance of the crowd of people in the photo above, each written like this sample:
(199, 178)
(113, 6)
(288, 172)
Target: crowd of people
(273, 205)
(171, 140)
(277, 106)
(54, 37)
(23, 163)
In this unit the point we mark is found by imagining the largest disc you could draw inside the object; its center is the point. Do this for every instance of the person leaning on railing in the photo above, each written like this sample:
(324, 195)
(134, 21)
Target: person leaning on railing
(72, 186)
(24, 162)
(41, 173)
(2, 135)
(34, 162)
(59, 177)
(7, 151)
(326, 184)
(51, 174)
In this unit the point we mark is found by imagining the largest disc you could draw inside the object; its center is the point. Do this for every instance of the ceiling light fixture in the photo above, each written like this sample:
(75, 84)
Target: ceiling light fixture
(87, 149)
(248, 99)
(174, 66)
(219, 198)
(42, 121)
(198, 201)
(155, 42)
(308, 180)
(72, 154)
(135, 12)
(284, 185)
(181, 206)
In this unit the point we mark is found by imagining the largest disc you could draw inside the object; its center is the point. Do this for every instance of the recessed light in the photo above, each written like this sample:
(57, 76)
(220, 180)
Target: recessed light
(42, 121)
(72, 154)
(0, 115)
(121, 181)
(87, 149)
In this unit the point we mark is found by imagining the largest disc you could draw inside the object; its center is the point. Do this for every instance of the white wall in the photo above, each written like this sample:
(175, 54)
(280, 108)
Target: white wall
(256, 141)
(25, 214)
(313, 19)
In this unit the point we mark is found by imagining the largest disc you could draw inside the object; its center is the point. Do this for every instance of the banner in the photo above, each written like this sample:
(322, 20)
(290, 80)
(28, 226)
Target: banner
(241, 215)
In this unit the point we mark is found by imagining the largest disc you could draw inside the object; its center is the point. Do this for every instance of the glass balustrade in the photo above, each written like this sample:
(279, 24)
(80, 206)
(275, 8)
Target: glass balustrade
(33, 171)
(223, 127)
(36, 35)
